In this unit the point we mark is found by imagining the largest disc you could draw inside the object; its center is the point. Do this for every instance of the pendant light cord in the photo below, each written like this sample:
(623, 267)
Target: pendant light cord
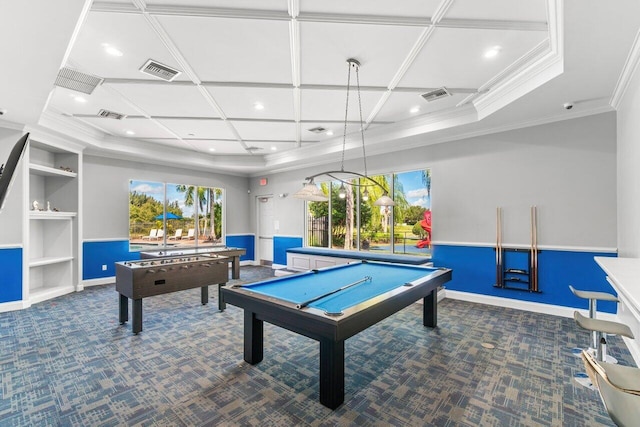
(346, 115)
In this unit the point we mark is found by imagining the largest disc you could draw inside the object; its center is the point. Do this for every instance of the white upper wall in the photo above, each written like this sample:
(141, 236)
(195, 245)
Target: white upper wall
(567, 169)
(106, 194)
(629, 169)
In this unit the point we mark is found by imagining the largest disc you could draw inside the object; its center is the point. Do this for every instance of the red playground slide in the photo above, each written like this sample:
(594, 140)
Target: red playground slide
(426, 226)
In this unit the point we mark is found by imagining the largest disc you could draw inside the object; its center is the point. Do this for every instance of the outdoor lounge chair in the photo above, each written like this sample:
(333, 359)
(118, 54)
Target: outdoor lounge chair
(153, 234)
(176, 236)
(191, 234)
(160, 234)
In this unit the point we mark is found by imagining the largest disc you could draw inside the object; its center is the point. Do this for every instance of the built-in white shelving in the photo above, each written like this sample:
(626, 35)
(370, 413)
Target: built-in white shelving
(51, 225)
(42, 170)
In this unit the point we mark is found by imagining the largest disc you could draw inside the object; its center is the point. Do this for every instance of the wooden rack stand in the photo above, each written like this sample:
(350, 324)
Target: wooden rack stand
(517, 279)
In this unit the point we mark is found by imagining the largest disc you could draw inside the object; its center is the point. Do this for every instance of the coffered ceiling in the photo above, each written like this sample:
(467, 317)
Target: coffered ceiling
(256, 76)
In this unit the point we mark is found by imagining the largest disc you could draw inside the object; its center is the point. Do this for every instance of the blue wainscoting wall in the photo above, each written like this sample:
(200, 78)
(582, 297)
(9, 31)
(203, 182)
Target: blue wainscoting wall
(11, 276)
(246, 241)
(280, 246)
(97, 254)
(474, 270)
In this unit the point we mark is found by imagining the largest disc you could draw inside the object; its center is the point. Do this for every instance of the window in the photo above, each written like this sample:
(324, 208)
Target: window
(412, 212)
(353, 223)
(173, 215)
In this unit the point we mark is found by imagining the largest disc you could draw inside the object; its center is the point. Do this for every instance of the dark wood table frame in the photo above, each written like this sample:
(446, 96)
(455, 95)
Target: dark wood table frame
(139, 283)
(330, 332)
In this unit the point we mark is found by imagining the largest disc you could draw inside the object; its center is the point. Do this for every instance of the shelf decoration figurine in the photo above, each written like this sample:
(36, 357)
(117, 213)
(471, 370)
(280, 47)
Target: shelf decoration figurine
(35, 205)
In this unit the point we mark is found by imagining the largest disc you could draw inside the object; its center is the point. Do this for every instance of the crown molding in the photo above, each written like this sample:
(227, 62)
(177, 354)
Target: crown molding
(518, 83)
(629, 69)
(6, 124)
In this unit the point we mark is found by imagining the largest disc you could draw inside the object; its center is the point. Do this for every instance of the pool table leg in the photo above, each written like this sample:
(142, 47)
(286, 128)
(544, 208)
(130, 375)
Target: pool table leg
(204, 295)
(221, 304)
(253, 338)
(430, 309)
(331, 373)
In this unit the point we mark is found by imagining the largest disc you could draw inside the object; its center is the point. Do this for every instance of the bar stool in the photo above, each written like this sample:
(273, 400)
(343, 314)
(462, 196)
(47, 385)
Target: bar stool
(619, 388)
(602, 327)
(593, 298)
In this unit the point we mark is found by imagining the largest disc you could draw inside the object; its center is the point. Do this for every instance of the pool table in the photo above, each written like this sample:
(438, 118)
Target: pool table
(332, 304)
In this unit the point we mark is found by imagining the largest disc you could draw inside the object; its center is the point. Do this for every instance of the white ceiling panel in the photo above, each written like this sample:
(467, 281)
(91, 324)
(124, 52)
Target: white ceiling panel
(336, 128)
(208, 128)
(212, 47)
(214, 147)
(167, 99)
(270, 147)
(70, 102)
(241, 102)
(318, 104)
(381, 49)
(408, 8)
(143, 128)
(128, 33)
(245, 51)
(399, 105)
(265, 131)
(455, 57)
(501, 10)
(280, 5)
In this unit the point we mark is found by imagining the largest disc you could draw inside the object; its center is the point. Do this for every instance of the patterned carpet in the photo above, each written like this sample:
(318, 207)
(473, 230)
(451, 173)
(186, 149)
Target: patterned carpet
(67, 362)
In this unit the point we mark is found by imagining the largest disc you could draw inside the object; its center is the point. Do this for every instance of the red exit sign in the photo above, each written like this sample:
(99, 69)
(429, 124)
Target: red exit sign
(263, 181)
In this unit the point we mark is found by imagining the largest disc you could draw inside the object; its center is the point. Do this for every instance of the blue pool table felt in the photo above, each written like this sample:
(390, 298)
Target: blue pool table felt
(305, 286)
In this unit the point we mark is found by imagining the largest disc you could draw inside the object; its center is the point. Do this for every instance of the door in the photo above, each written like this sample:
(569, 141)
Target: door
(265, 229)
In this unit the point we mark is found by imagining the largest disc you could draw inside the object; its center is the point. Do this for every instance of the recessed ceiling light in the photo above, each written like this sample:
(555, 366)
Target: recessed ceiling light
(414, 110)
(212, 149)
(80, 99)
(111, 50)
(493, 52)
(258, 106)
(330, 132)
(274, 148)
(130, 132)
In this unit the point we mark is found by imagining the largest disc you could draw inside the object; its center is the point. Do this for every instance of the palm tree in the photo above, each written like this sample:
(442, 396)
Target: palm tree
(206, 197)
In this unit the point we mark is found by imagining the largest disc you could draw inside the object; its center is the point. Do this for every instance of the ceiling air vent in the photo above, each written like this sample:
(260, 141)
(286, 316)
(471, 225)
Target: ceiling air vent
(75, 80)
(111, 115)
(252, 149)
(318, 129)
(159, 70)
(435, 94)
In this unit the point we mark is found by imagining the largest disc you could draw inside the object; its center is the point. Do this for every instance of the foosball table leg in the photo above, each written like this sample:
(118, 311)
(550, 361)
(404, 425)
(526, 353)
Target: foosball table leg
(204, 295)
(136, 316)
(124, 309)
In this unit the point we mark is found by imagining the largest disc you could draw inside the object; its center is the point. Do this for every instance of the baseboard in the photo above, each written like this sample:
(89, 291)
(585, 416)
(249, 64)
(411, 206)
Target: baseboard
(100, 281)
(14, 305)
(249, 262)
(535, 307)
(278, 266)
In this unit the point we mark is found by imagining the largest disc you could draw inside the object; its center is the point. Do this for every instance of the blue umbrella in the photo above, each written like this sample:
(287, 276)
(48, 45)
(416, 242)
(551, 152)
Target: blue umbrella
(170, 215)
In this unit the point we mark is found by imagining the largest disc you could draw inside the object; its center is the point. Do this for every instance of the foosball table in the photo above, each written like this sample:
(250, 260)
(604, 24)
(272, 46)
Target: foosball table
(136, 280)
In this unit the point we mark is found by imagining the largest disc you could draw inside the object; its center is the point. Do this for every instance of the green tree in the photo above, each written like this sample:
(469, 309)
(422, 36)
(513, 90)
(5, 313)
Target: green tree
(207, 198)
(414, 214)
